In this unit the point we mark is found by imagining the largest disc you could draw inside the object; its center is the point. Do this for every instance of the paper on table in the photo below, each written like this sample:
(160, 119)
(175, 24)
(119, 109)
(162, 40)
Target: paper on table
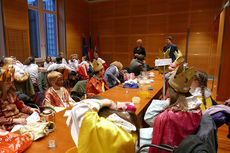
(16, 128)
(33, 118)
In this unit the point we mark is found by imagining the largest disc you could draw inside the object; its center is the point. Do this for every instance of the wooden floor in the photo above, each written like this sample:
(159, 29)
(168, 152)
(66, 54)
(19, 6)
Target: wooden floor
(223, 141)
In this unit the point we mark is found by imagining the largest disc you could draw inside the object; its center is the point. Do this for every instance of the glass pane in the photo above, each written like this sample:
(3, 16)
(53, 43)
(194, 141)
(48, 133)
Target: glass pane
(50, 34)
(34, 33)
(33, 2)
(49, 5)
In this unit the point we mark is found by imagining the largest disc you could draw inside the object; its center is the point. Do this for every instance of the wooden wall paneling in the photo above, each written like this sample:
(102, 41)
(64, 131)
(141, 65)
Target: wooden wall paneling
(122, 44)
(199, 50)
(152, 21)
(159, 7)
(158, 24)
(224, 81)
(107, 44)
(180, 41)
(106, 9)
(61, 25)
(201, 21)
(140, 7)
(76, 25)
(105, 27)
(122, 26)
(17, 43)
(122, 8)
(178, 23)
(16, 24)
(178, 6)
(139, 25)
(108, 57)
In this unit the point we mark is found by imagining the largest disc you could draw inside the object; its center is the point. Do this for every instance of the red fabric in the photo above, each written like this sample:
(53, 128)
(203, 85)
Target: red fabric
(52, 96)
(89, 51)
(104, 66)
(82, 71)
(94, 86)
(172, 127)
(12, 143)
(97, 46)
(19, 104)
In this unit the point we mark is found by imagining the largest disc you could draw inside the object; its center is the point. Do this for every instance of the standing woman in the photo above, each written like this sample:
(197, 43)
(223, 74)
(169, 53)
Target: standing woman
(139, 50)
(31, 68)
(112, 73)
(48, 62)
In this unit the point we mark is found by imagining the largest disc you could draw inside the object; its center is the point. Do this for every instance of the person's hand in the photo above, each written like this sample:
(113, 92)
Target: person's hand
(136, 55)
(35, 110)
(20, 121)
(122, 106)
(118, 81)
(108, 103)
(144, 62)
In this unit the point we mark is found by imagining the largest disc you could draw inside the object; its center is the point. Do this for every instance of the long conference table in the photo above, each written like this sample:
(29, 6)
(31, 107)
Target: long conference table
(62, 132)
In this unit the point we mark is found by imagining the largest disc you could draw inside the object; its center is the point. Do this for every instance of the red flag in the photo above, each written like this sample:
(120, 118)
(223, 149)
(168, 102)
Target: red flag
(89, 50)
(96, 49)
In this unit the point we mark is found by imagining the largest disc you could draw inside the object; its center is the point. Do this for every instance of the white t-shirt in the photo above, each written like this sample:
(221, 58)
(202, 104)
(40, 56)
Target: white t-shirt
(73, 64)
(46, 65)
(32, 69)
(56, 66)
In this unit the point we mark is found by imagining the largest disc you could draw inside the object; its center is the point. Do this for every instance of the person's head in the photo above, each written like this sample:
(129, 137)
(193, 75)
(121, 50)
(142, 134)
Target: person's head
(178, 87)
(200, 79)
(139, 42)
(55, 79)
(168, 40)
(98, 68)
(58, 60)
(96, 55)
(127, 116)
(84, 58)
(48, 59)
(29, 60)
(6, 81)
(8, 61)
(117, 64)
(74, 57)
(61, 54)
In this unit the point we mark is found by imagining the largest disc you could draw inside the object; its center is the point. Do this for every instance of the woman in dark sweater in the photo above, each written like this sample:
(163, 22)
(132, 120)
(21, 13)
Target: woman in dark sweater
(139, 50)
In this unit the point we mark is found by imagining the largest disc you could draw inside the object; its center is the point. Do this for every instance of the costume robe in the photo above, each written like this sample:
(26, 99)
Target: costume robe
(96, 85)
(94, 134)
(11, 108)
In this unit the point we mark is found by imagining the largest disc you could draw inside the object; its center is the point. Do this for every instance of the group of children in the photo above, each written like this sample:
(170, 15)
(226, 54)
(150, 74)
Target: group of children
(108, 126)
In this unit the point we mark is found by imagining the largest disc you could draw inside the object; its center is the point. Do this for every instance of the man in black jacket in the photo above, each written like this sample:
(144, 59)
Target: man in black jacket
(172, 47)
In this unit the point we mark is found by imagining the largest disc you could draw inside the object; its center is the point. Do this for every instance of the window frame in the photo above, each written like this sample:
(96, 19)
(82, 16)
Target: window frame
(41, 12)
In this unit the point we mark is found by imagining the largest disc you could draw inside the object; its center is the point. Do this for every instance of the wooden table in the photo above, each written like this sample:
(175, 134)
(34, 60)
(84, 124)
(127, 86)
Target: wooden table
(62, 132)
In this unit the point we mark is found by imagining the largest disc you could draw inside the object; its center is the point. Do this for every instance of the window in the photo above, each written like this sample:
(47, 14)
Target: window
(43, 28)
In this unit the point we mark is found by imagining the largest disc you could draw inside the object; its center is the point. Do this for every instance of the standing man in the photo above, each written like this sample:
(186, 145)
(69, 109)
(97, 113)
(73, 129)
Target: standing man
(139, 50)
(172, 47)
